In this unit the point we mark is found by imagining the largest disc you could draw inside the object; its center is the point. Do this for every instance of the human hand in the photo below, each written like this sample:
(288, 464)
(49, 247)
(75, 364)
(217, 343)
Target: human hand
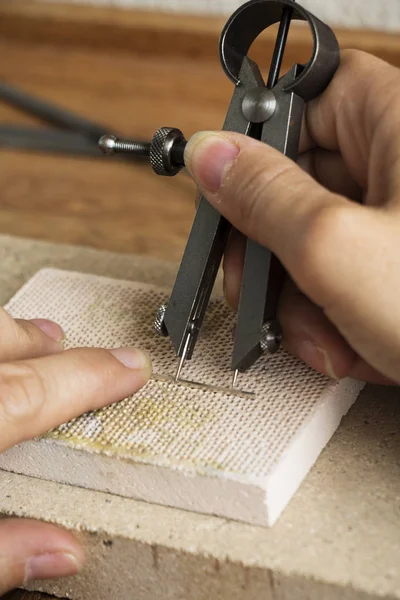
(340, 309)
(41, 387)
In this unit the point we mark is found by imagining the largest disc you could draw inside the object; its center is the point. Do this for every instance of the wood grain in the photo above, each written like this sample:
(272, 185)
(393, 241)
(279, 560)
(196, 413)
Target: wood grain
(192, 36)
(135, 71)
(100, 203)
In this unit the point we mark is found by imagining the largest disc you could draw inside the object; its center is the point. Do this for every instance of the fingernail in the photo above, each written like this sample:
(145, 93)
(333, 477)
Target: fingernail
(51, 329)
(316, 357)
(133, 358)
(50, 566)
(208, 157)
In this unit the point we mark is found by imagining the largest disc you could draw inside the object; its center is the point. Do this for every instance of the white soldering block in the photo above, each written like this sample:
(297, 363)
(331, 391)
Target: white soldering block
(203, 448)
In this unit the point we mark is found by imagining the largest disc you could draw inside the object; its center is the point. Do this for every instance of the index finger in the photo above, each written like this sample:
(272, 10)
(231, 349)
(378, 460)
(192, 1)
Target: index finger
(37, 395)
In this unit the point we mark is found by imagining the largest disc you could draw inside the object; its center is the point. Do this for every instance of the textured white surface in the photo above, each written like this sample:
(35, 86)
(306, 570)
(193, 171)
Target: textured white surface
(207, 451)
(358, 13)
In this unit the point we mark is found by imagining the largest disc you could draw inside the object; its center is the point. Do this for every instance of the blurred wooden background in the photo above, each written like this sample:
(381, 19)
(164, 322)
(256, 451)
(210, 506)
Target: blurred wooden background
(135, 72)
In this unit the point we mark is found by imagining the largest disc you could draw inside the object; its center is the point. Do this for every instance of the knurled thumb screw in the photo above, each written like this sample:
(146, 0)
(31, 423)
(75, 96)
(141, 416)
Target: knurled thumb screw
(165, 152)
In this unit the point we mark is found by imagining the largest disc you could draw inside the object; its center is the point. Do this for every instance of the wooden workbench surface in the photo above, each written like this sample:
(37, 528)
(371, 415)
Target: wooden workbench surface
(103, 203)
(100, 202)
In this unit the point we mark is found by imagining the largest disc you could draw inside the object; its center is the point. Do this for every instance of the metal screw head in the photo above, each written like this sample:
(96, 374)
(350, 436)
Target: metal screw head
(271, 337)
(259, 105)
(107, 144)
(159, 325)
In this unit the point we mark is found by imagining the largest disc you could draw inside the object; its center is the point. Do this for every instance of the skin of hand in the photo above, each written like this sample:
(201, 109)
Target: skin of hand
(333, 220)
(42, 386)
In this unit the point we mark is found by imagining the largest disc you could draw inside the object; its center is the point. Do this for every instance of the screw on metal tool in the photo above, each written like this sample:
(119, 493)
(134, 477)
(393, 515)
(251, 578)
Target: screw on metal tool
(165, 152)
(109, 144)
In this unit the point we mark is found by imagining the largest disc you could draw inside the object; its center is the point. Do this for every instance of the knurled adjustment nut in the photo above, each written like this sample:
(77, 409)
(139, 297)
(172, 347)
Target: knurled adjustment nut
(159, 325)
(161, 148)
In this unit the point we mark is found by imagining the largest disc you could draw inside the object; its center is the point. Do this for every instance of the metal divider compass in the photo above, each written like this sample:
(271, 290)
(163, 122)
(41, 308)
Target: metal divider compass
(271, 113)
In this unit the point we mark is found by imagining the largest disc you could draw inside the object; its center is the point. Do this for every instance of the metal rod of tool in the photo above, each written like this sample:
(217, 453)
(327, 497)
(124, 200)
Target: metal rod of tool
(255, 254)
(50, 113)
(54, 141)
(280, 46)
(76, 136)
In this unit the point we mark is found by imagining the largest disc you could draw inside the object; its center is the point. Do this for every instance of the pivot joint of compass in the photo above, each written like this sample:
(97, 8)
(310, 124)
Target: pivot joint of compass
(259, 105)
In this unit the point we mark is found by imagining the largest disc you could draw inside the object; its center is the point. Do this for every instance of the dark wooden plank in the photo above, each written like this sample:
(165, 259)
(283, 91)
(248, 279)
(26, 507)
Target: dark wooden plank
(21, 595)
(17, 595)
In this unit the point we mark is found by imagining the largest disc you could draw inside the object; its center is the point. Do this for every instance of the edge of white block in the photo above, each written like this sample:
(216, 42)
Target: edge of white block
(308, 443)
(254, 500)
(53, 460)
(258, 502)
